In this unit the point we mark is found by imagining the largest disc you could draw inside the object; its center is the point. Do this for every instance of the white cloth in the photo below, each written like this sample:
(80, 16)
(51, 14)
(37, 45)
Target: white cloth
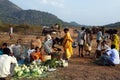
(114, 56)
(99, 35)
(106, 47)
(48, 37)
(48, 46)
(5, 63)
(11, 30)
(30, 51)
(81, 37)
(10, 47)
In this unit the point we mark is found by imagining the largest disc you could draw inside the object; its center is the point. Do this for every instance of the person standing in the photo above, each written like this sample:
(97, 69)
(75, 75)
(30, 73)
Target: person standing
(99, 37)
(67, 44)
(81, 41)
(88, 43)
(11, 32)
(48, 44)
(115, 40)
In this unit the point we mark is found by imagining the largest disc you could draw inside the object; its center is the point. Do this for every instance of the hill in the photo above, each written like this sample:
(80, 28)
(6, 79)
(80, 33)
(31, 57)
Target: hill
(74, 23)
(11, 13)
(113, 25)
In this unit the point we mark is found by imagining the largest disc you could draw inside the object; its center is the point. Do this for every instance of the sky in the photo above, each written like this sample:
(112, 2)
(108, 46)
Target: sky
(84, 12)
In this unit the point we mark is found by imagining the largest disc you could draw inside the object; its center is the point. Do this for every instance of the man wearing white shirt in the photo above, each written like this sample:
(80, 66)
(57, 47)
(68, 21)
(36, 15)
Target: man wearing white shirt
(110, 58)
(114, 55)
(81, 41)
(5, 63)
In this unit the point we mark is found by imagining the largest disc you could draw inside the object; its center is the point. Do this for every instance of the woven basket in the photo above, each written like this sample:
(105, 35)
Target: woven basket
(46, 57)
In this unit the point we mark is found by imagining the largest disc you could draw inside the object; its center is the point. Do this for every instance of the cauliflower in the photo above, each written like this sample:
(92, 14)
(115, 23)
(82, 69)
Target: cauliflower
(19, 73)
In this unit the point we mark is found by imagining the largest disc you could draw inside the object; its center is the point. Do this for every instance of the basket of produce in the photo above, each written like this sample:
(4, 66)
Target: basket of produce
(46, 57)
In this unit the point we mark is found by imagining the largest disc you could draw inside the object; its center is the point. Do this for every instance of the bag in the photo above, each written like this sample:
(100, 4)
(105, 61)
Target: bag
(87, 47)
(74, 45)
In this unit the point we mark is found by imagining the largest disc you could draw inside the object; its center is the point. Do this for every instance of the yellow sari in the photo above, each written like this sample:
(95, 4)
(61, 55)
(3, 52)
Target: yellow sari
(116, 41)
(67, 45)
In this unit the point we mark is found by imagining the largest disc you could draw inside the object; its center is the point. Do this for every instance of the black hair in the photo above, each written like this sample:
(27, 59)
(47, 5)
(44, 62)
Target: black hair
(4, 44)
(36, 48)
(66, 29)
(112, 46)
(83, 28)
(6, 51)
(115, 31)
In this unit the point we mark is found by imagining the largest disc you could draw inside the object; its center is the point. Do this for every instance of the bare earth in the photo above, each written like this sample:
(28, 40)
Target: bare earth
(79, 68)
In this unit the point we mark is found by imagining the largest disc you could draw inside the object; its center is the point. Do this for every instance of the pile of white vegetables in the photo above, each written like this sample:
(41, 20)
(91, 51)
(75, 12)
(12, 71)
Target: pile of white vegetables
(37, 68)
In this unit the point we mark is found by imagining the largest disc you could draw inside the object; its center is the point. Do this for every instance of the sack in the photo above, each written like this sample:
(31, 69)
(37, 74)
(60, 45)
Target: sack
(74, 45)
(87, 47)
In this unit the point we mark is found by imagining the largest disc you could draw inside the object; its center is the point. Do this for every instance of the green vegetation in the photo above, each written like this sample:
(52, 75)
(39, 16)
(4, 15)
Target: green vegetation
(11, 13)
(114, 25)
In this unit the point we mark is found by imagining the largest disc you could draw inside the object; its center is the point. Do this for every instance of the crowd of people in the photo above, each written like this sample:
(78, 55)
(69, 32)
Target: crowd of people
(19, 54)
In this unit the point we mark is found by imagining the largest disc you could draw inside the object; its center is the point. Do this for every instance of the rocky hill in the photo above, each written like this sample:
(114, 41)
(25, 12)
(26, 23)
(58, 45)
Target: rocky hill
(11, 13)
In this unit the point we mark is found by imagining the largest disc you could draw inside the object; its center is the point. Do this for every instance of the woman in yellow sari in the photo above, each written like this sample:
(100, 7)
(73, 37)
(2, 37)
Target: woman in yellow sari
(115, 40)
(67, 44)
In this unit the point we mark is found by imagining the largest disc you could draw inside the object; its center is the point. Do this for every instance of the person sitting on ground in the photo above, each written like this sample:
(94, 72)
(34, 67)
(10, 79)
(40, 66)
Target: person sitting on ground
(6, 68)
(36, 55)
(4, 45)
(110, 58)
(102, 48)
(17, 49)
(30, 50)
(48, 44)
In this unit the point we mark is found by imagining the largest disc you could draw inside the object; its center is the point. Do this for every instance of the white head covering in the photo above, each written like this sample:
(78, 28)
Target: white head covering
(48, 37)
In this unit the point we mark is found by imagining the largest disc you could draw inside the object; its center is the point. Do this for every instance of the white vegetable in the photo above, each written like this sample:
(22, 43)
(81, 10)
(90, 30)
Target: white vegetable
(27, 70)
(65, 64)
(39, 72)
(19, 73)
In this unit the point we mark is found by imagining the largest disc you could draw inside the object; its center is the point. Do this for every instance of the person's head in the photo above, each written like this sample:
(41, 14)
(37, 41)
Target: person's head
(100, 29)
(37, 49)
(6, 51)
(37, 37)
(66, 30)
(4, 45)
(112, 46)
(115, 31)
(19, 41)
(104, 42)
(83, 28)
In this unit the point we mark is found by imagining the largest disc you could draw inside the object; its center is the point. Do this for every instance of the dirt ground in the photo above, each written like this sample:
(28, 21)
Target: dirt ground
(79, 68)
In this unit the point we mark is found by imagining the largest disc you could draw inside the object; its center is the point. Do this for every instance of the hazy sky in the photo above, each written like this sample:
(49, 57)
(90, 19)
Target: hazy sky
(87, 12)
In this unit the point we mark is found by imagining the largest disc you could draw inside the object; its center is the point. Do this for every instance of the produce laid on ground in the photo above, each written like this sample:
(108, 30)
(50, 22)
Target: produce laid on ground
(38, 68)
